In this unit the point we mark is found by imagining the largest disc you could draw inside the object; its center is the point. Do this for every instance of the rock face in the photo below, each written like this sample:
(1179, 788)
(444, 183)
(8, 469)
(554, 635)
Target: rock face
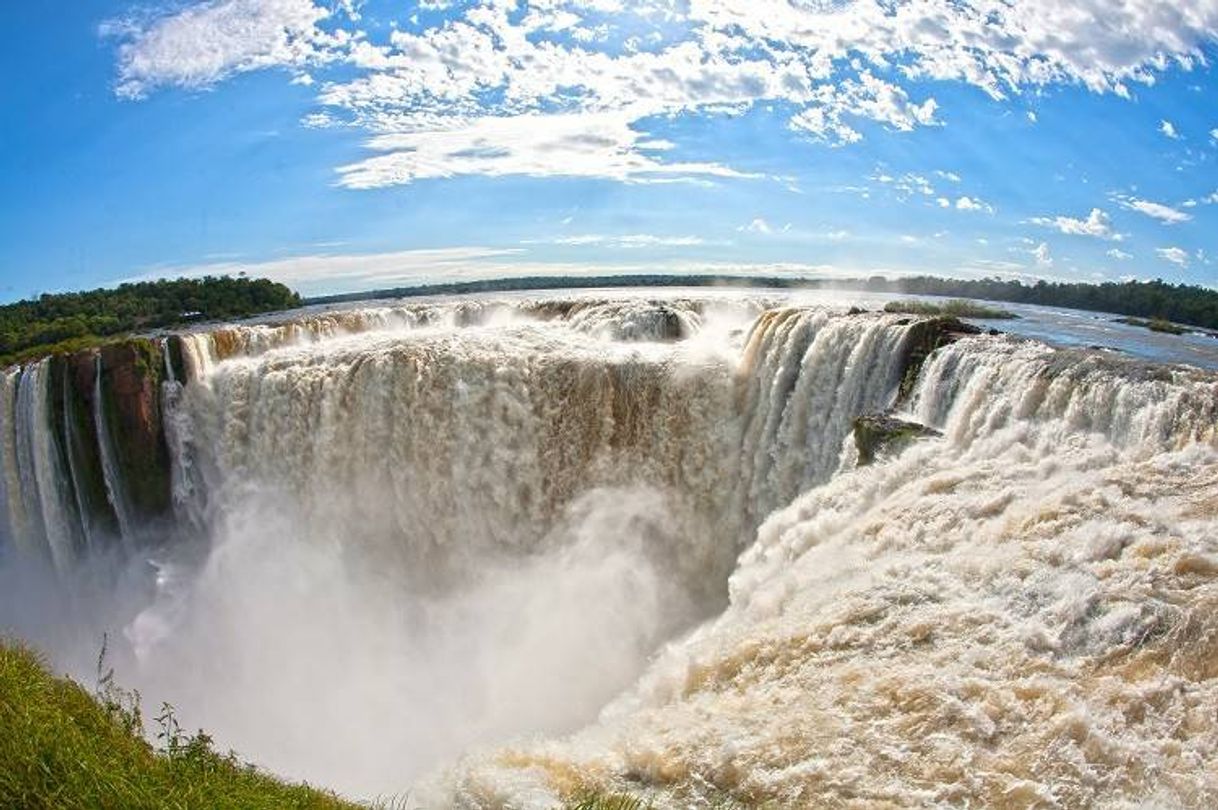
(76, 376)
(881, 433)
(924, 337)
(131, 375)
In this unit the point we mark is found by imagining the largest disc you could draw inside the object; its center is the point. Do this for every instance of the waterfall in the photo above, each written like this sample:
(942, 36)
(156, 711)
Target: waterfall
(983, 619)
(977, 386)
(45, 487)
(488, 433)
(23, 519)
(806, 375)
(498, 516)
(115, 486)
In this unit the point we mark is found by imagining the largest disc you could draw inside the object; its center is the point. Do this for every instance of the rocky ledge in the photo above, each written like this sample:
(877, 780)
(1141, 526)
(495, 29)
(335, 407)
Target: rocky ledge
(882, 433)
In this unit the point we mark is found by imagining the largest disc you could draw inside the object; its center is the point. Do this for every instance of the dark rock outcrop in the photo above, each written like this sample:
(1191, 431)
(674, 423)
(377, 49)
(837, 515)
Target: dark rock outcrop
(74, 379)
(924, 337)
(132, 372)
(881, 433)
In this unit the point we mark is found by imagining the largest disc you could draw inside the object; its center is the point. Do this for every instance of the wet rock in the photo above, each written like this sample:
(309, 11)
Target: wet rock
(881, 433)
(132, 372)
(925, 336)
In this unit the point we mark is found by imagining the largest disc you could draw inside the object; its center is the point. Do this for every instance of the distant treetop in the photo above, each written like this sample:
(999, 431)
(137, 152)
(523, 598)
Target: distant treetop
(68, 321)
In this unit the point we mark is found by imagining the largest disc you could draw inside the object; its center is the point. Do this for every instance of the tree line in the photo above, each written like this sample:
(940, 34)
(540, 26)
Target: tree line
(68, 321)
(1157, 300)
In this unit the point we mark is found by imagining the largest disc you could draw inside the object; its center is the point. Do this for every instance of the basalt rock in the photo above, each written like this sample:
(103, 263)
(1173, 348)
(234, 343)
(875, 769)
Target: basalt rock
(882, 433)
(74, 386)
(924, 337)
(131, 375)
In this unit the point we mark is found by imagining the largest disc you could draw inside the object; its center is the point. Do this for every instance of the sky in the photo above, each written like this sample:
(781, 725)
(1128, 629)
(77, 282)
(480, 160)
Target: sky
(344, 145)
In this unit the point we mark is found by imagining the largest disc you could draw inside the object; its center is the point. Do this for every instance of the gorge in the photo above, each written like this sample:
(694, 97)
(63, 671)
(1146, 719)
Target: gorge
(499, 551)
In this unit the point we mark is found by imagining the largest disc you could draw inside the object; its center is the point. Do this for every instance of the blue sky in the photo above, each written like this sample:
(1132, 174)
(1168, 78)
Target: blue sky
(341, 145)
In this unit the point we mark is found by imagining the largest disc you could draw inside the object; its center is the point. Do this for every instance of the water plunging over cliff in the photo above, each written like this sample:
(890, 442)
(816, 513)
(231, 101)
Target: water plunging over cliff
(418, 530)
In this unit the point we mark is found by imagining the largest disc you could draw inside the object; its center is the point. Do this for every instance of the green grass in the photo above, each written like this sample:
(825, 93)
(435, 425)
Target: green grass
(64, 748)
(956, 307)
(608, 801)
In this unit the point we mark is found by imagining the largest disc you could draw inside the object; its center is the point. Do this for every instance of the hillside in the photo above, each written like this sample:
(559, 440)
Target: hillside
(62, 748)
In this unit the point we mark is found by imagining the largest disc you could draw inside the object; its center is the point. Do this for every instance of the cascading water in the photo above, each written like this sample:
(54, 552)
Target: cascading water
(420, 531)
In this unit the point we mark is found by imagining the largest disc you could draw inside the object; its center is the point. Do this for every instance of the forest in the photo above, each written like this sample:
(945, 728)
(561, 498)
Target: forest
(1178, 303)
(70, 321)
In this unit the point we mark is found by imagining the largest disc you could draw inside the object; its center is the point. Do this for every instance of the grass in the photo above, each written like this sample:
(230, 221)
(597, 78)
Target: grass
(956, 307)
(62, 747)
(608, 801)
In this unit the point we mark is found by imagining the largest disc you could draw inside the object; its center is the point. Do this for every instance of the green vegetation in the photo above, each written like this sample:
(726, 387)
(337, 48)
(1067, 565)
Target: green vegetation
(1155, 325)
(956, 307)
(69, 322)
(1180, 303)
(608, 801)
(62, 748)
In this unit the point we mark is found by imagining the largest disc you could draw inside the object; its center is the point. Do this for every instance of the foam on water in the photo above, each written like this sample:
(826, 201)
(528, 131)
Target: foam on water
(512, 550)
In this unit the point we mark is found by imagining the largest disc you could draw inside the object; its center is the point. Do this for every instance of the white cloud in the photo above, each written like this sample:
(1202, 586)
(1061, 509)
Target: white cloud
(1042, 256)
(840, 69)
(974, 204)
(1119, 255)
(570, 145)
(758, 225)
(1163, 213)
(1097, 224)
(1169, 129)
(309, 273)
(951, 177)
(206, 42)
(1174, 255)
(633, 240)
(908, 184)
(1214, 134)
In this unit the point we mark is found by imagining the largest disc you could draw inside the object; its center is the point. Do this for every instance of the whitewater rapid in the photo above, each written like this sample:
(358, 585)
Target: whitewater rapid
(507, 551)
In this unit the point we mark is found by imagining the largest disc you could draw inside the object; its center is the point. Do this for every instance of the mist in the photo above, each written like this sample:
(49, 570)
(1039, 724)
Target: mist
(312, 657)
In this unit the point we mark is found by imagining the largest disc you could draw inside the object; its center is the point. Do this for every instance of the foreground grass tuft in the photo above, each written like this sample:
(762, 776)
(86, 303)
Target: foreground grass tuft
(958, 308)
(61, 747)
(609, 801)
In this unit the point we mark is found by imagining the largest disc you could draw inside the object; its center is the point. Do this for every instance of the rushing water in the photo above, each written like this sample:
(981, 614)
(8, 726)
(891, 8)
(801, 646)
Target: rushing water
(503, 551)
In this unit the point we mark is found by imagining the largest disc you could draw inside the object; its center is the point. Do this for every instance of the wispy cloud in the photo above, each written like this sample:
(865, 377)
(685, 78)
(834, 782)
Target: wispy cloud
(1042, 255)
(601, 145)
(758, 225)
(1097, 224)
(632, 240)
(206, 42)
(314, 272)
(1174, 255)
(1159, 211)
